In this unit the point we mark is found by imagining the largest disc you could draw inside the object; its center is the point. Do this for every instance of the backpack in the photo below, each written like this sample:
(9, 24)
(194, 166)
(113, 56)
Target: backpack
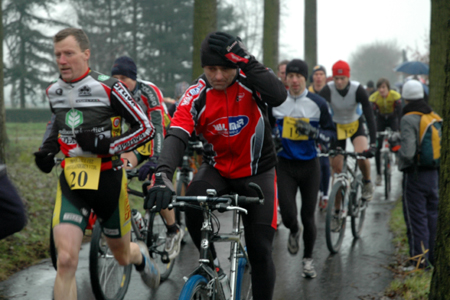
(429, 143)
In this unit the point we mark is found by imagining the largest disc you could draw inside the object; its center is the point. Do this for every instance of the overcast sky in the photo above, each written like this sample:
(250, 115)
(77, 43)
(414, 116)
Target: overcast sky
(344, 25)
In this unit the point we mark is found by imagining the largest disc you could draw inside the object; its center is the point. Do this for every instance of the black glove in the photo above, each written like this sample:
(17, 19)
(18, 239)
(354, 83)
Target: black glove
(307, 129)
(44, 160)
(148, 168)
(89, 141)
(229, 46)
(369, 153)
(160, 194)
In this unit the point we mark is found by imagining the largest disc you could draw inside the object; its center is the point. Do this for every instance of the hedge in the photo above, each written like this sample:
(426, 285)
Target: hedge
(28, 115)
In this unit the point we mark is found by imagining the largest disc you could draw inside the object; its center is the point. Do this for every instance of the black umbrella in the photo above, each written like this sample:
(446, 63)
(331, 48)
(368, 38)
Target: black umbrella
(413, 68)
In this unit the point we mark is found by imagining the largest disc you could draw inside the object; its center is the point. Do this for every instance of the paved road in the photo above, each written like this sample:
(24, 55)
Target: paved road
(356, 272)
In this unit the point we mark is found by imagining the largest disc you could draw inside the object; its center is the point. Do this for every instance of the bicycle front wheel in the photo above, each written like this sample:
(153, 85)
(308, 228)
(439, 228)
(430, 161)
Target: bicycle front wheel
(109, 280)
(357, 207)
(156, 241)
(387, 175)
(195, 289)
(334, 222)
(244, 280)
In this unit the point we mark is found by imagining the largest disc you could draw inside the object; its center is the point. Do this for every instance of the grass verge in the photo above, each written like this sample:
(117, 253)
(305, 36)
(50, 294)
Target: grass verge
(38, 191)
(413, 285)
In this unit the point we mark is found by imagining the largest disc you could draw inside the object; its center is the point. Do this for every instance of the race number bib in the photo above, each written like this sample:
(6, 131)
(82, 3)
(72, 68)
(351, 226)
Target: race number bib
(145, 149)
(290, 130)
(345, 131)
(82, 173)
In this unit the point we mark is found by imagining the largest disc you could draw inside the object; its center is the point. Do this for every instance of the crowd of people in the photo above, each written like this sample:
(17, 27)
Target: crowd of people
(255, 126)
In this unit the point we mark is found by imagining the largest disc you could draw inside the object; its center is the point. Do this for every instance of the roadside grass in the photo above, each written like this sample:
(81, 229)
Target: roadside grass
(38, 191)
(408, 286)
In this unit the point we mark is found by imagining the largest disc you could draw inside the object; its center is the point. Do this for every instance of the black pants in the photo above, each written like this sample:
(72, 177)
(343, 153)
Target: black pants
(292, 175)
(12, 211)
(259, 223)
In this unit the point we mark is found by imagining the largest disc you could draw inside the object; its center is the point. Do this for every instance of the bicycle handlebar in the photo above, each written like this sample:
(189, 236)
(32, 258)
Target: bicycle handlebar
(340, 151)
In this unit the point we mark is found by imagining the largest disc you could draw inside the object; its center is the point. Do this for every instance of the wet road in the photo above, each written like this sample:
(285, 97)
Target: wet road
(356, 272)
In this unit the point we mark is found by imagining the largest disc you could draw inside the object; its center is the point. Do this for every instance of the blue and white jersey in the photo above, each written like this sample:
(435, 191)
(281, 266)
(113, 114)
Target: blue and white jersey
(307, 106)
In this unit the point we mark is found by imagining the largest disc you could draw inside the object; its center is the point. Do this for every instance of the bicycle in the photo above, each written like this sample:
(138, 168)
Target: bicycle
(204, 282)
(185, 173)
(387, 159)
(347, 187)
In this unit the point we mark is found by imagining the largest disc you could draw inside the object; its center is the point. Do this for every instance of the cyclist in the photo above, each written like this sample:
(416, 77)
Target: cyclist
(88, 108)
(226, 107)
(319, 80)
(346, 99)
(12, 212)
(150, 99)
(298, 164)
(387, 106)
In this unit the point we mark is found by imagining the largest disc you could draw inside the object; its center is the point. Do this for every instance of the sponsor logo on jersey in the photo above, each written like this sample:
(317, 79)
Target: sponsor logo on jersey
(103, 77)
(241, 96)
(87, 100)
(115, 130)
(59, 91)
(195, 90)
(84, 91)
(74, 118)
(228, 126)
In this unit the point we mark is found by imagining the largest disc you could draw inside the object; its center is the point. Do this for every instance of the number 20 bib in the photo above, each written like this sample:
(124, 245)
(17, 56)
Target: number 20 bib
(82, 173)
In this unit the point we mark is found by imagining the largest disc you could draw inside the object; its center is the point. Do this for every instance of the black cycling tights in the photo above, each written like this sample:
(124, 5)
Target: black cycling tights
(259, 224)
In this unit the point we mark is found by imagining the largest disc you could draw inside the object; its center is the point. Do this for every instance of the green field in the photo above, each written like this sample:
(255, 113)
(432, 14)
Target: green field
(38, 191)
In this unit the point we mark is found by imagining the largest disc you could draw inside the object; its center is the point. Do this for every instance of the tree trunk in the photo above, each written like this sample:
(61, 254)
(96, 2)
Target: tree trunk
(205, 21)
(23, 72)
(440, 48)
(440, 12)
(270, 36)
(310, 34)
(3, 136)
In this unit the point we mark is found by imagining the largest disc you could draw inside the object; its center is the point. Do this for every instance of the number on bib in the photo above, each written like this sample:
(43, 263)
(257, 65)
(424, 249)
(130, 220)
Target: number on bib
(82, 173)
(345, 131)
(290, 130)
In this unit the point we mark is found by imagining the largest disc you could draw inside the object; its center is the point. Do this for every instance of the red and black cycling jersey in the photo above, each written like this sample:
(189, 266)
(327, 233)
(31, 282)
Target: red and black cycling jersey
(232, 124)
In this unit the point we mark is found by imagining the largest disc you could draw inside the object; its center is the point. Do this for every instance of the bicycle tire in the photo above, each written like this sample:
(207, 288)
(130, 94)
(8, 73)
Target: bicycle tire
(358, 207)
(195, 288)
(387, 175)
(109, 280)
(244, 280)
(156, 241)
(53, 252)
(334, 238)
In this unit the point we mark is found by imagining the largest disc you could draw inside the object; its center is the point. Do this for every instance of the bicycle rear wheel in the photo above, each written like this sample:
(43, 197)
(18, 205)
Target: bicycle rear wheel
(195, 289)
(357, 208)
(387, 175)
(334, 223)
(109, 280)
(156, 241)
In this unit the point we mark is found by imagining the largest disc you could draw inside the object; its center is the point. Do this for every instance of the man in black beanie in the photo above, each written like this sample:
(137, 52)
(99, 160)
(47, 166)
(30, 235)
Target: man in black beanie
(227, 109)
(150, 99)
(303, 121)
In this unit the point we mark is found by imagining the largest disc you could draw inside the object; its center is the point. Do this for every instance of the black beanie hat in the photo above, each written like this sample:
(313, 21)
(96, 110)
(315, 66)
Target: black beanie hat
(125, 66)
(210, 57)
(297, 66)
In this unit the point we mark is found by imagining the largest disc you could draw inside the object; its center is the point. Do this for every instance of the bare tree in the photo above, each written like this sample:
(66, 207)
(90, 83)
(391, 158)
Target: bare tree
(3, 136)
(440, 97)
(439, 45)
(271, 32)
(205, 21)
(370, 62)
(310, 34)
